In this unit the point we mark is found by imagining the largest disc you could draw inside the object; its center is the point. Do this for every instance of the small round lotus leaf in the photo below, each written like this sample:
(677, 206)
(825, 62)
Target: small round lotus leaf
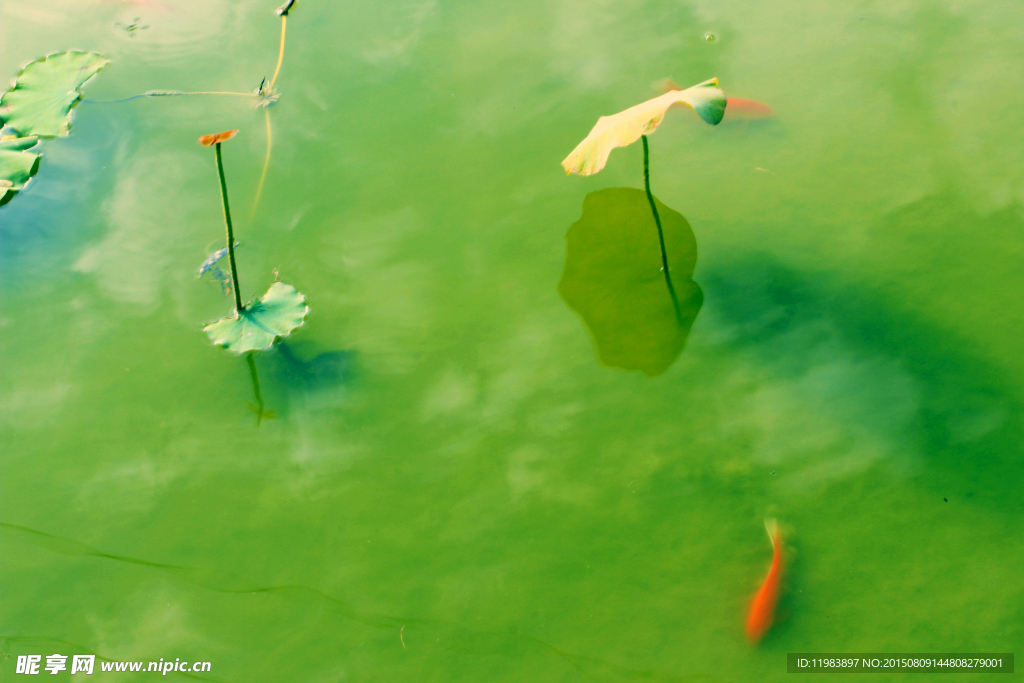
(613, 279)
(17, 165)
(275, 314)
(626, 127)
(45, 91)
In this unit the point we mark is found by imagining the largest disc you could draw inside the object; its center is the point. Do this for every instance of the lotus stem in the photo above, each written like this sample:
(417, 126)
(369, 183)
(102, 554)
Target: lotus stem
(661, 234)
(255, 386)
(230, 232)
(280, 52)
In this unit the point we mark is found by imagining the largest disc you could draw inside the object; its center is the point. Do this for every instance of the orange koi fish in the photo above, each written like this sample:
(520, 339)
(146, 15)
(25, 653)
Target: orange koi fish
(747, 109)
(735, 108)
(762, 609)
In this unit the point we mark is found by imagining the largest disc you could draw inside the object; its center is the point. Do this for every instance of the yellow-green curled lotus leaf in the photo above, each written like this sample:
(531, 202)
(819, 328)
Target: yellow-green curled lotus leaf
(626, 127)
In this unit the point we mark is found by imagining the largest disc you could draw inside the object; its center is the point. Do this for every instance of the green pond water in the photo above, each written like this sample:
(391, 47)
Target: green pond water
(454, 487)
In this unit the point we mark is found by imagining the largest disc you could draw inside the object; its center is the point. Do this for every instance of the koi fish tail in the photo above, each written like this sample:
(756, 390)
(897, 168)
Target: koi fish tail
(762, 607)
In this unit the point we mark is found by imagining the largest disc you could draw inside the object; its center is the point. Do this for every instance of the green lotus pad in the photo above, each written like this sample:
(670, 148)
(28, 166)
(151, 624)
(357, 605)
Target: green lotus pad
(613, 279)
(45, 91)
(17, 165)
(275, 314)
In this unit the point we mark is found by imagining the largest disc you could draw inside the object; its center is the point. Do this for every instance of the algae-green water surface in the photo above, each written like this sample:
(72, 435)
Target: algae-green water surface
(453, 487)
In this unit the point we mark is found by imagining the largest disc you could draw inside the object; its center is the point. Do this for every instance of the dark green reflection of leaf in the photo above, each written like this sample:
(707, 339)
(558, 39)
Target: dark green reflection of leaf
(613, 279)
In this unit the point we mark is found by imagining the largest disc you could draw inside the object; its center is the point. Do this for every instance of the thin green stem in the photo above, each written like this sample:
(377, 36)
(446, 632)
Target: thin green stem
(661, 234)
(231, 236)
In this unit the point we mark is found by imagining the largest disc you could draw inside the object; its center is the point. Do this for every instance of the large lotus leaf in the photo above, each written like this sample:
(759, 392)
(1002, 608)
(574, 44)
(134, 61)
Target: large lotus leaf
(16, 166)
(274, 315)
(626, 127)
(613, 279)
(45, 91)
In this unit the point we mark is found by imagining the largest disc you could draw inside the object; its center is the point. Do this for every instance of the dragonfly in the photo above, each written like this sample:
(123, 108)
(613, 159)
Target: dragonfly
(131, 28)
(265, 95)
(210, 266)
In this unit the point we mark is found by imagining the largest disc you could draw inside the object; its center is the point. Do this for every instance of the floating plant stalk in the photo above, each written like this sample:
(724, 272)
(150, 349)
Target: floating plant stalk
(282, 11)
(661, 234)
(280, 52)
(168, 93)
(266, 164)
(228, 228)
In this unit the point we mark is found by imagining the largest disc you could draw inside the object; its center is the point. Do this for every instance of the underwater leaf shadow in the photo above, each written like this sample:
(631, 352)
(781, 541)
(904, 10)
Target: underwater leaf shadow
(322, 370)
(612, 278)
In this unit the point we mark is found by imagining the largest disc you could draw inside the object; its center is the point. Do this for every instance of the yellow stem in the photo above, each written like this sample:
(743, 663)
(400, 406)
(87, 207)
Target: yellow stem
(266, 164)
(280, 54)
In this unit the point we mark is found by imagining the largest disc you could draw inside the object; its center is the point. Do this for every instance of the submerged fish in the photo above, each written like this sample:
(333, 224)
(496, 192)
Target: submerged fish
(222, 278)
(210, 266)
(212, 259)
(762, 609)
(747, 109)
(735, 108)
